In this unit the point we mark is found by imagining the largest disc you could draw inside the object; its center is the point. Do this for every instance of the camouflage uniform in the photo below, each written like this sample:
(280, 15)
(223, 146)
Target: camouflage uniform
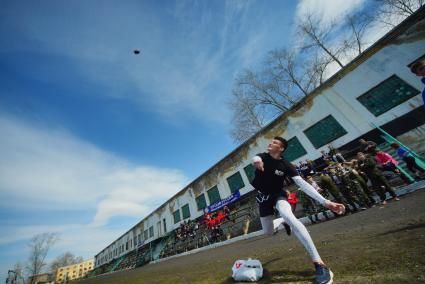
(366, 190)
(329, 187)
(309, 206)
(347, 191)
(354, 188)
(379, 182)
(312, 206)
(337, 179)
(319, 206)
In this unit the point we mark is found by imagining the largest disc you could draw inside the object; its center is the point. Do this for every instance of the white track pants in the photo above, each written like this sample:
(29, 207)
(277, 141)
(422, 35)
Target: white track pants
(297, 227)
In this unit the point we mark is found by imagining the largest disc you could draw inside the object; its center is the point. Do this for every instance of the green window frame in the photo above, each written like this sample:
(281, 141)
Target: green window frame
(324, 131)
(201, 202)
(145, 234)
(150, 231)
(186, 211)
(387, 95)
(294, 150)
(235, 182)
(176, 215)
(213, 195)
(250, 172)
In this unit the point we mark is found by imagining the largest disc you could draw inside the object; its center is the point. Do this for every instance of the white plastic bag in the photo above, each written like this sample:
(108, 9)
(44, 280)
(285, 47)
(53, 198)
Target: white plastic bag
(249, 270)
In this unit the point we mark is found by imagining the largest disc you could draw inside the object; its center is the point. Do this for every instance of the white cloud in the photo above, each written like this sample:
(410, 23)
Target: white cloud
(327, 10)
(168, 77)
(186, 63)
(52, 170)
(49, 170)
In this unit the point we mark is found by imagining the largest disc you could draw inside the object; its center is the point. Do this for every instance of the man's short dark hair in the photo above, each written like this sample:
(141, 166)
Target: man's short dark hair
(283, 141)
(415, 66)
(395, 145)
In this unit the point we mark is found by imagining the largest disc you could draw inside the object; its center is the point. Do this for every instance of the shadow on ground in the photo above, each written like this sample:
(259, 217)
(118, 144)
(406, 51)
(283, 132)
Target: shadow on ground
(407, 228)
(281, 276)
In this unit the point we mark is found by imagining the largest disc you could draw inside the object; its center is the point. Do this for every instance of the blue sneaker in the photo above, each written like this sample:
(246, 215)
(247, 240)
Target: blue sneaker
(323, 275)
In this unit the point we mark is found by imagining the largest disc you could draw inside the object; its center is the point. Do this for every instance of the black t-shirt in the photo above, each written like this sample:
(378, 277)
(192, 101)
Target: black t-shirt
(271, 180)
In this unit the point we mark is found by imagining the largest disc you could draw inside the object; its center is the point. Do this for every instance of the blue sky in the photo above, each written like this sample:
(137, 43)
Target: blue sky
(95, 137)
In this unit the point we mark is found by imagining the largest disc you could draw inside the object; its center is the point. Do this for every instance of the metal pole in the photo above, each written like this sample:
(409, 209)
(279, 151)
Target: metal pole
(391, 139)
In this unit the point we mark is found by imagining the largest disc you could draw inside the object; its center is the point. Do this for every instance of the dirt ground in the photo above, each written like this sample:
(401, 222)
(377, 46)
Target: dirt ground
(384, 244)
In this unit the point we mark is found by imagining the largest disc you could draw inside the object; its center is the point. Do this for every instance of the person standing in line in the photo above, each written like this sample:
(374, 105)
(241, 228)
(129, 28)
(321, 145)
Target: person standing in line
(410, 161)
(319, 207)
(379, 182)
(353, 187)
(328, 185)
(309, 207)
(368, 147)
(387, 163)
(270, 173)
(337, 177)
(362, 179)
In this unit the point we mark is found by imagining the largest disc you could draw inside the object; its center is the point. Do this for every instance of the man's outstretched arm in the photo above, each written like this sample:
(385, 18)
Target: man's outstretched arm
(310, 191)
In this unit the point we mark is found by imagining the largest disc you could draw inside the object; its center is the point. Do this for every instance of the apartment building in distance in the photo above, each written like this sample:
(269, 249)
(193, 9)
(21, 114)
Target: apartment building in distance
(74, 271)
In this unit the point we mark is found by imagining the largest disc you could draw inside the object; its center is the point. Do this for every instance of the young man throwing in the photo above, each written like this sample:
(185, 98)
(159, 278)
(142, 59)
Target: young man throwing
(270, 173)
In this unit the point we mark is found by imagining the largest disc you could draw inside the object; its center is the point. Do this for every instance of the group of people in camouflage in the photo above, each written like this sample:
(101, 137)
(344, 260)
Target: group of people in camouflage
(352, 183)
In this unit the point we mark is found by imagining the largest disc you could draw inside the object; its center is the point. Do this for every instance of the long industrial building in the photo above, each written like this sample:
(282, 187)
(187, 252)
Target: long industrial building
(376, 89)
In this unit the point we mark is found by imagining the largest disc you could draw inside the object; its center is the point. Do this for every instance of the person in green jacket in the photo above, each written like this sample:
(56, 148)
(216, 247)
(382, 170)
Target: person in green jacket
(362, 179)
(327, 184)
(353, 187)
(379, 182)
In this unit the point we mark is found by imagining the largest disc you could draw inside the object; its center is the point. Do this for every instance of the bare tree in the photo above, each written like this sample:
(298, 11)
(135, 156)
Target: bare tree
(357, 24)
(318, 35)
(260, 88)
(286, 70)
(39, 247)
(316, 68)
(403, 8)
(391, 12)
(64, 260)
(246, 118)
(259, 97)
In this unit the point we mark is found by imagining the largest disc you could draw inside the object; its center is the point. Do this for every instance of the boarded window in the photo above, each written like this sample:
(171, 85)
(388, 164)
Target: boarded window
(250, 172)
(324, 131)
(294, 150)
(213, 195)
(235, 182)
(176, 216)
(186, 211)
(151, 232)
(201, 203)
(387, 95)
